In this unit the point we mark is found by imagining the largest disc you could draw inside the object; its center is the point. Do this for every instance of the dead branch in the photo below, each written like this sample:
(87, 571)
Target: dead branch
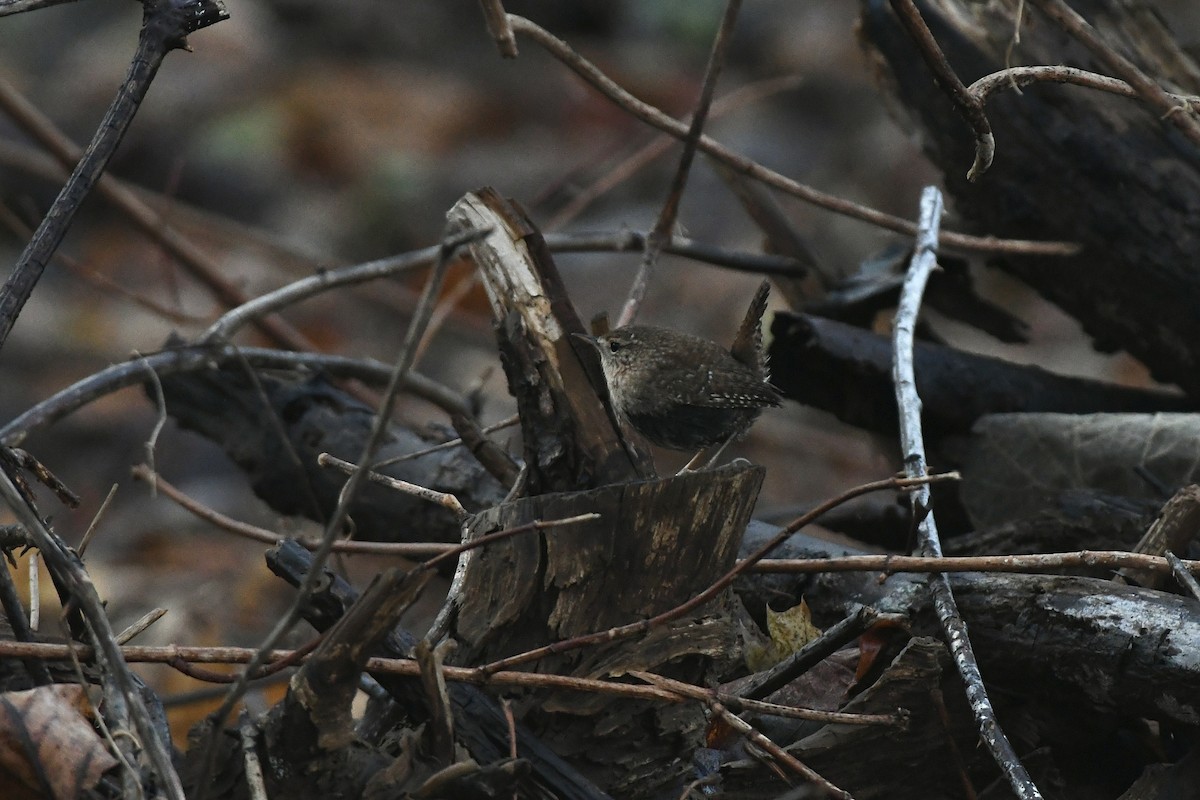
(913, 450)
(656, 118)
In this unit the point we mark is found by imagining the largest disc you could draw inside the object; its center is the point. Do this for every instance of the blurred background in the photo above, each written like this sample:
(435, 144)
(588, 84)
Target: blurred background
(301, 135)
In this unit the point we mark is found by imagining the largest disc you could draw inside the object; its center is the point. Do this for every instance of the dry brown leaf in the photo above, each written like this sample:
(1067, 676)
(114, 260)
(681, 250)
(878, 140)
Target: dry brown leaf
(47, 746)
(790, 630)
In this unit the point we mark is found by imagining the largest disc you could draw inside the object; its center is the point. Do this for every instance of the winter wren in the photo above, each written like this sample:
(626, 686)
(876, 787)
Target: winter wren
(683, 392)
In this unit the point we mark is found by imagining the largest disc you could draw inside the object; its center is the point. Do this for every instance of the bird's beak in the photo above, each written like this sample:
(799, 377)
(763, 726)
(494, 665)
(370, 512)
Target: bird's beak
(589, 339)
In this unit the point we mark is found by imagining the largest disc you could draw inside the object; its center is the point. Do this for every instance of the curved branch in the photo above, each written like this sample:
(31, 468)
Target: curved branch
(969, 107)
(1016, 77)
(1146, 88)
(198, 357)
(656, 118)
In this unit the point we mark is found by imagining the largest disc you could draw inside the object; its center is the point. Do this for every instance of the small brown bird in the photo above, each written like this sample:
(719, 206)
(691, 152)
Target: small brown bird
(684, 392)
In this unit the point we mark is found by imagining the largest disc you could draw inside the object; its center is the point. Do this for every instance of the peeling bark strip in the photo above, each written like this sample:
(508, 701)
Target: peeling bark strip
(571, 439)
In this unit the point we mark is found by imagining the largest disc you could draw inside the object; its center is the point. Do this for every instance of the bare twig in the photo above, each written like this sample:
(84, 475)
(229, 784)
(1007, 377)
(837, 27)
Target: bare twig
(203, 357)
(969, 107)
(488, 538)
(446, 501)
(629, 241)
(22, 630)
(887, 564)
(97, 279)
(334, 526)
(912, 445)
(731, 701)
(1154, 95)
(664, 122)
(733, 101)
(1037, 562)
(224, 328)
(140, 625)
(122, 700)
(142, 215)
(160, 421)
(252, 766)
(35, 590)
(1180, 570)
(661, 234)
(498, 27)
(175, 655)
(94, 524)
(164, 28)
(1015, 77)
(507, 422)
(403, 549)
(778, 753)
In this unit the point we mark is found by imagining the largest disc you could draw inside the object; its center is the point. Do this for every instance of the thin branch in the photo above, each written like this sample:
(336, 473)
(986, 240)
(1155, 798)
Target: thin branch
(887, 564)
(742, 704)
(661, 234)
(498, 27)
(99, 280)
(138, 211)
(255, 533)
(122, 699)
(140, 625)
(660, 144)
(165, 27)
(1016, 77)
(912, 446)
(446, 501)
(22, 630)
(778, 753)
(664, 122)
(627, 241)
(1037, 562)
(1154, 95)
(251, 764)
(1179, 569)
(184, 654)
(666, 690)
(349, 491)
(224, 328)
(204, 357)
(449, 444)
(969, 107)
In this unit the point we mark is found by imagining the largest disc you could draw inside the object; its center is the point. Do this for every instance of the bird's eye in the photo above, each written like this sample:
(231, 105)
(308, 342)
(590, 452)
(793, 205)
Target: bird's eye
(614, 346)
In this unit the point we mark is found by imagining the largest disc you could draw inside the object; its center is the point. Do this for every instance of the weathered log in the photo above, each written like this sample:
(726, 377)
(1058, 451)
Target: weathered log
(1071, 164)
(848, 372)
(300, 419)
(1086, 643)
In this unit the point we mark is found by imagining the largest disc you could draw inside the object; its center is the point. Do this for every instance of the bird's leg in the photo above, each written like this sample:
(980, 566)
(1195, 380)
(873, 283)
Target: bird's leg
(712, 461)
(692, 462)
(690, 466)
